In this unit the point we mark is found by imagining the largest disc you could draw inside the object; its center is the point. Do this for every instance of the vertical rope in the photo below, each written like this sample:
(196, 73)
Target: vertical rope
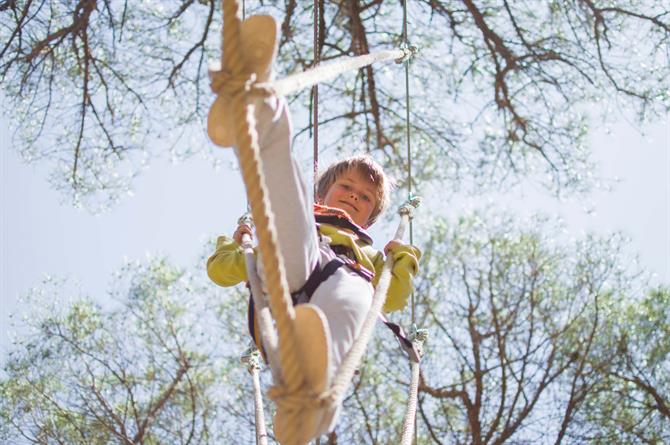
(405, 43)
(409, 422)
(315, 93)
(244, 17)
(410, 417)
(261, 433)
(252, 358)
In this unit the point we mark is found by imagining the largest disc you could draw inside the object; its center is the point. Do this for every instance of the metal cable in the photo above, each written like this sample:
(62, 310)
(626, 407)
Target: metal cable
(315, 95)
(405, 43)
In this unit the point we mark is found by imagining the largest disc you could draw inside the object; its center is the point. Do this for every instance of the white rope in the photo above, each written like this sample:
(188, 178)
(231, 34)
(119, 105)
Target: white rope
(352, 360)
(419, 336)
(263, 316)
(252, 358)
(327, 71)
(410, 412)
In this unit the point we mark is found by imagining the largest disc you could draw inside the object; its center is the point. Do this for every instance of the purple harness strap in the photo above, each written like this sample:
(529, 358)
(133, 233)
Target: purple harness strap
(304, 295)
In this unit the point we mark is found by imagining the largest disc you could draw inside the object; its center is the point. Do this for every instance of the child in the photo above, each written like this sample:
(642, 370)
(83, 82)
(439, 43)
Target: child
(351, 194)
(335, 267)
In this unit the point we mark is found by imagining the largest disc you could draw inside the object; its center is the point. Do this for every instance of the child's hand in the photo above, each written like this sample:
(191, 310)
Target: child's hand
(242, 230)
(393, 244)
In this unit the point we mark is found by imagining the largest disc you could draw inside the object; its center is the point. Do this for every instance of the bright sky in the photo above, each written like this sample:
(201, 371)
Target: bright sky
(177, 208)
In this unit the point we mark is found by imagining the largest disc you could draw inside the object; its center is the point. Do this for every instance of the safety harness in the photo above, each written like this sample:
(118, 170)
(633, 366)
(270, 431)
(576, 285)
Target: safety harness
(339, 256)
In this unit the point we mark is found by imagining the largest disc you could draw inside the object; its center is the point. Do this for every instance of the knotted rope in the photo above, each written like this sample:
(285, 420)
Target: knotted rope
(228, 85)
(239, 85)
(409, 427)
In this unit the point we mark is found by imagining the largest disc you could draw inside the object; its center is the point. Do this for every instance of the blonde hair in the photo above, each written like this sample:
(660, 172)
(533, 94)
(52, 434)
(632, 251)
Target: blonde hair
(369, 169)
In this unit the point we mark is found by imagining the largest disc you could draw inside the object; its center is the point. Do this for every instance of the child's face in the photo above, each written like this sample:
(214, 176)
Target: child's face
(355, 194)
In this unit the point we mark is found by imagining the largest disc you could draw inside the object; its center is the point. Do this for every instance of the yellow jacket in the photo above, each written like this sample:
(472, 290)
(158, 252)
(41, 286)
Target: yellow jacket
(226, 267)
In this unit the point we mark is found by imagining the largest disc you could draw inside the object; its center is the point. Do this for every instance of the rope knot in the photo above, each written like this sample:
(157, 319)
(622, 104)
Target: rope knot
(228, 85)
(299, 399)
(299, 413)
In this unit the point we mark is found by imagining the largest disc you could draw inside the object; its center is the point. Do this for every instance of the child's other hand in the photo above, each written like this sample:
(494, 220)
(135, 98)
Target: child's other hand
(242, 230)
(393, 244)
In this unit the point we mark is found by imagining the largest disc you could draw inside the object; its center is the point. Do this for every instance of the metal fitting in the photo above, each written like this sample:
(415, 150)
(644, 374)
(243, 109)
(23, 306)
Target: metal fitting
(418, 337)
(409, 206)
(409, 52)
(252, 358)
(246, 220)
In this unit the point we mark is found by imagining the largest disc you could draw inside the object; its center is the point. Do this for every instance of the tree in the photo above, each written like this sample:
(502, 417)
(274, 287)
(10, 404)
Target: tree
(144, 371)
(499, 91)
(531, 340)
(632, 401)
(523, 339)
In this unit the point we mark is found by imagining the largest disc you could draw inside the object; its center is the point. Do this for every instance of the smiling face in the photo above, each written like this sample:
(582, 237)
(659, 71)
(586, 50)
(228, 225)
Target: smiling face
(361, 171)
(353, 193)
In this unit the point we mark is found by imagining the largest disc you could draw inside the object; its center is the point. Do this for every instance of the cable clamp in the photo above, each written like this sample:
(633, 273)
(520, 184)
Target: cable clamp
(252, 358)
(409, 206)
(246, 220)
(409, 51)
(418, 337)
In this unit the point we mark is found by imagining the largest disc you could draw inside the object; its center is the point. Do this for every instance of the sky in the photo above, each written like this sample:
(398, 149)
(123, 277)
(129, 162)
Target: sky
(177, 208)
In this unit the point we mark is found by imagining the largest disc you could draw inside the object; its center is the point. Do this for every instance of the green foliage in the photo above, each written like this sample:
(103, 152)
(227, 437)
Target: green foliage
(523, 333)
(533, 338)
(146, 371)
(631, 403)
(498, 91)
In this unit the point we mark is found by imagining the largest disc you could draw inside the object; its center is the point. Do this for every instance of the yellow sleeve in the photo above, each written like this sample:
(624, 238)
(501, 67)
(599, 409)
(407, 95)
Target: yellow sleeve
(226, 267)
(405, 267)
